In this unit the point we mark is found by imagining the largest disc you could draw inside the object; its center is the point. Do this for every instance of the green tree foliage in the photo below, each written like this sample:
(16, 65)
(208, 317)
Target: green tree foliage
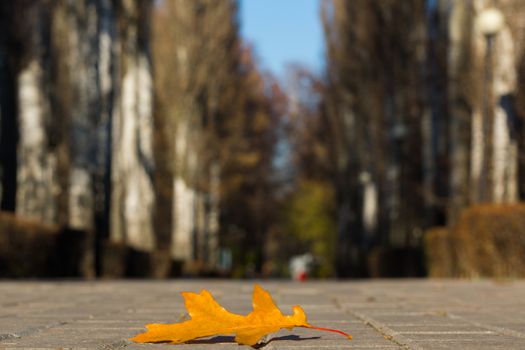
(310, 217)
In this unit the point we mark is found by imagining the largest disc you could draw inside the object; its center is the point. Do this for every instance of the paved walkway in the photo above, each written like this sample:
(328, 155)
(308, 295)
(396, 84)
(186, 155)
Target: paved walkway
(379, 314)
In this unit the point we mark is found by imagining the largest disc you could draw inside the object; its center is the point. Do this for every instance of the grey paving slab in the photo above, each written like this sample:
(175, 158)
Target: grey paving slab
(383, 314)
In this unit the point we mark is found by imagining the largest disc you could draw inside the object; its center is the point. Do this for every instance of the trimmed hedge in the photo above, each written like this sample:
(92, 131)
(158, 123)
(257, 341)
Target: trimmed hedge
(487, 241)
(491, 241)
(29, 248)
(439, 253)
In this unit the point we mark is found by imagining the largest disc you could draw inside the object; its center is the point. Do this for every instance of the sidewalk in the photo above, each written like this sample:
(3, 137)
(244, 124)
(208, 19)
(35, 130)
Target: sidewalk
(403, 314)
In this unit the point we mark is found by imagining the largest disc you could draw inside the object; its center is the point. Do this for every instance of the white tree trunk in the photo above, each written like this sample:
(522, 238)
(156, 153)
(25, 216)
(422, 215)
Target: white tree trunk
(370, 204)
(462, 113)
(185, 229)
(183, 214)
(133, 192)
(503, 166)
(36, 165)
(505, 147)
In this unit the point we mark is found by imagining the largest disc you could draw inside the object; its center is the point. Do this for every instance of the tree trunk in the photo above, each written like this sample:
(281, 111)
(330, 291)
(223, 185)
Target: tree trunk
(8, 109)
(132, 166)
(36, 172)
(436, 125)
(461, 111)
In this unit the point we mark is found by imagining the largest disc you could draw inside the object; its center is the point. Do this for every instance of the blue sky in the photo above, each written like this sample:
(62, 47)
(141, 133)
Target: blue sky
(283, 31)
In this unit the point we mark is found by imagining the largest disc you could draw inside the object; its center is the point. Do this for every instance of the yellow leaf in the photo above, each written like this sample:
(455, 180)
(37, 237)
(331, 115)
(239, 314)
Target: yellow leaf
(208, 318)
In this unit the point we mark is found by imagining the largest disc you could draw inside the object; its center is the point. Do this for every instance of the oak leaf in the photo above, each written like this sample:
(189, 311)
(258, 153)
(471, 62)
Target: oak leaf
(208, 318)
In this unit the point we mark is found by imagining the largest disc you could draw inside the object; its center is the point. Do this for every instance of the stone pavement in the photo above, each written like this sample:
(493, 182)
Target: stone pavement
(397, 314)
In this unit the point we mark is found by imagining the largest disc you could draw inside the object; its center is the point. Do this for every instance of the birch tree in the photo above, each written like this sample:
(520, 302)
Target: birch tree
(484, 148)
(196, 54)
(80, 79)
(132, 197)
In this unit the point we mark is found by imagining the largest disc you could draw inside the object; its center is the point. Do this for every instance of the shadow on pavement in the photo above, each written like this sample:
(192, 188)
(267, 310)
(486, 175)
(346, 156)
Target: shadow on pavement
(230, 339)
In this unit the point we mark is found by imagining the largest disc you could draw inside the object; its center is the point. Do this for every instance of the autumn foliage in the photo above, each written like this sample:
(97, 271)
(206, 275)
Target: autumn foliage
(208, 318)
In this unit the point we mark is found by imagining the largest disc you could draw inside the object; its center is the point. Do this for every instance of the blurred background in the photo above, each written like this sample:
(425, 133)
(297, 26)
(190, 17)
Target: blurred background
(262, 138)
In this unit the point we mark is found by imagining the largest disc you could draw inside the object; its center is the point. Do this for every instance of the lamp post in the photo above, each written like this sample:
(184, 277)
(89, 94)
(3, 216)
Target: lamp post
(490, 22)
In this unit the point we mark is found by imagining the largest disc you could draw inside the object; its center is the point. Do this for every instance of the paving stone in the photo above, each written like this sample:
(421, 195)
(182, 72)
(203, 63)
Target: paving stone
(380, 314)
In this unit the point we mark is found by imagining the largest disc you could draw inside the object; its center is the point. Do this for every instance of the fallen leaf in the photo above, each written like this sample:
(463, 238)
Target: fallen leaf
(208, 318)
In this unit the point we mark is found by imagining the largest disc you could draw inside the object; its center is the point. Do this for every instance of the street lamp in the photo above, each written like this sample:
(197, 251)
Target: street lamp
(490, 22)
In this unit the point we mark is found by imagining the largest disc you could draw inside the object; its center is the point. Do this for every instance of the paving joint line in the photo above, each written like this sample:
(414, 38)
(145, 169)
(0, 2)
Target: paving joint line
(387, 332)
(498, 330)
(382, 329)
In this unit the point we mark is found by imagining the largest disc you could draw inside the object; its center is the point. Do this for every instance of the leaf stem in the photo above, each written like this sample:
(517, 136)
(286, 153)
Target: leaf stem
(329, 330)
